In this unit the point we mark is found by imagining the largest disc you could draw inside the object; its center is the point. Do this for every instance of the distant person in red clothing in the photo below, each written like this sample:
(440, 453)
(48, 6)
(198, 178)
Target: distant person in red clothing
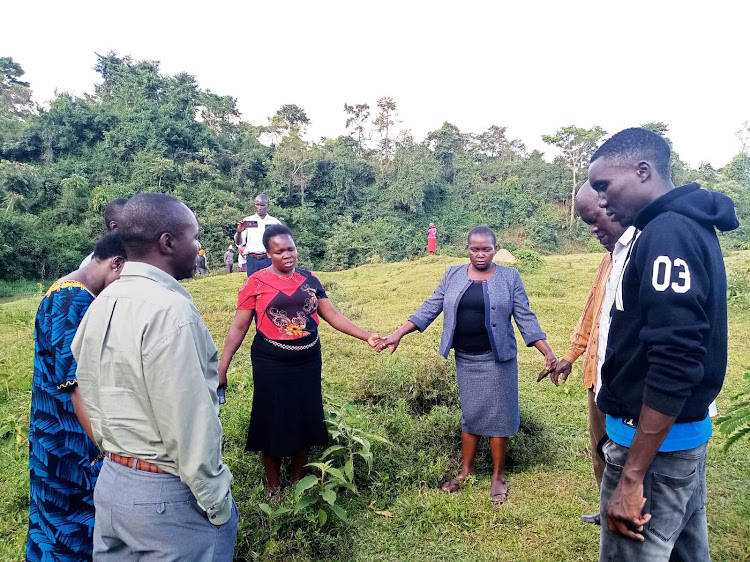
(432, 239)
(287, 414)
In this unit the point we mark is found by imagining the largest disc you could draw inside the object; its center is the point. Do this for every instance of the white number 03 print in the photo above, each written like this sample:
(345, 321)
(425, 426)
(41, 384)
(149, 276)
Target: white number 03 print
(664, 268)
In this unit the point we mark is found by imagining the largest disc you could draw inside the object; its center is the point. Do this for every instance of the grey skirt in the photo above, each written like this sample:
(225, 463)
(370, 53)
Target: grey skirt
(488, 391)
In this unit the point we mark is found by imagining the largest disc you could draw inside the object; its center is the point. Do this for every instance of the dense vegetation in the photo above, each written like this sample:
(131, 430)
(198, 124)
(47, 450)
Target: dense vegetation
(365, 196)
(411, 399)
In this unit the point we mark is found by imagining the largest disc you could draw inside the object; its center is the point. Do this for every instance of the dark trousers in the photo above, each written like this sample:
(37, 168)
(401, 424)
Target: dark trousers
(255, 264)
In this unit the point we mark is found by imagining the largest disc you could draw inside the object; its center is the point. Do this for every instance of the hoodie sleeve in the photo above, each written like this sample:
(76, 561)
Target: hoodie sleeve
(674, 288)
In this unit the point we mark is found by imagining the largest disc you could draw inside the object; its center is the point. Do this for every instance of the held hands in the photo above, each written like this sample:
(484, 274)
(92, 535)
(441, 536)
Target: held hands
(550, 361)
(374, 341)
(561, 372)
(391, 341)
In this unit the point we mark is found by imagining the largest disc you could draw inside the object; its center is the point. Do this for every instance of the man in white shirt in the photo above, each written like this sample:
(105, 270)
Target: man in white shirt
(250, 235)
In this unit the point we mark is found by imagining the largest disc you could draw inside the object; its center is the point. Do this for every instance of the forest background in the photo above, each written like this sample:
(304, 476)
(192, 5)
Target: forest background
(366, 196)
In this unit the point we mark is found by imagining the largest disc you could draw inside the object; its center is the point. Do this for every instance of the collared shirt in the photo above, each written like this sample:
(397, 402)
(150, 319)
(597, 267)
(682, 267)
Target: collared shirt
(585, 338)
(147, 370)
(619, 261)
(252, 238)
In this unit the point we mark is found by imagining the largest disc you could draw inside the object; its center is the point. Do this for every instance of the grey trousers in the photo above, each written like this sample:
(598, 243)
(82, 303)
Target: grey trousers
(146, 516)
(675, 492)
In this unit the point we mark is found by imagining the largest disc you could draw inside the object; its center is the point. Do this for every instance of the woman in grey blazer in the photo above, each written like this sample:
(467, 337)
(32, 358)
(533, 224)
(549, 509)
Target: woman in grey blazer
(478, 301)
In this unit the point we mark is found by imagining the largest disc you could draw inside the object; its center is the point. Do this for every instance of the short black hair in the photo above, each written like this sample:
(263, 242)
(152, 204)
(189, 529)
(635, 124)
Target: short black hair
(113, 211)
(275, 230)
(482, 230)
(146, 217)
(110, 246)
(636, 144)
(262, 197)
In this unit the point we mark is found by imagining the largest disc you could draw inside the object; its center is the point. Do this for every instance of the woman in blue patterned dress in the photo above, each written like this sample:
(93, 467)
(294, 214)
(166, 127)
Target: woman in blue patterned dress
(63, 461)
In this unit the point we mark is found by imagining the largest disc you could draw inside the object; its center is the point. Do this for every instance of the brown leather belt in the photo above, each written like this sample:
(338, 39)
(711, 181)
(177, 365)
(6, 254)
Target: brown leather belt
(139, 464)
(257, 256)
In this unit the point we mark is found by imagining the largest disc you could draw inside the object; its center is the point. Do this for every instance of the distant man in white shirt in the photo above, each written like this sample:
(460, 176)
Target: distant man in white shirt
(250, 235)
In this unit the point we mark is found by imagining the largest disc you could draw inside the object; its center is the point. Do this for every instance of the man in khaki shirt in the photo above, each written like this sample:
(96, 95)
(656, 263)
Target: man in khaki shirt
(147, 370)
(585, 336)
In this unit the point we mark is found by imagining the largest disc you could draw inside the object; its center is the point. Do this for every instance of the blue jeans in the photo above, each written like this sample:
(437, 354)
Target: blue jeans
(255, 264)
(675, 492)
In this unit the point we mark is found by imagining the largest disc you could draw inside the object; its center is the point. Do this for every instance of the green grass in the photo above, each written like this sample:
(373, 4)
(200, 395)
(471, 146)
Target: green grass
(14, 290)
(411, 399)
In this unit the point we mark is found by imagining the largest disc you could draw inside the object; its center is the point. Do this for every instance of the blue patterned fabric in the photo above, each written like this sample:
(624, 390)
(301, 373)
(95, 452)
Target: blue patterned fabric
(62, 476)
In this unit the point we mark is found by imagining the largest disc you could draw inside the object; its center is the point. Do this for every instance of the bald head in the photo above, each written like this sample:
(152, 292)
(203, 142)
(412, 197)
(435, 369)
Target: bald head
(160, 230)
(586, 199)
(606, 230)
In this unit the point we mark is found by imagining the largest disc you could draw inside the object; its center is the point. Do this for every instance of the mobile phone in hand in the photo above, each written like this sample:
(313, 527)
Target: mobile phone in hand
(222, 395)
(250, 224)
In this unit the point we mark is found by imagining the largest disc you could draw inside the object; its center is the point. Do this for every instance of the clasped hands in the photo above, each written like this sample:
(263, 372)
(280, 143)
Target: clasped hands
(379, 343)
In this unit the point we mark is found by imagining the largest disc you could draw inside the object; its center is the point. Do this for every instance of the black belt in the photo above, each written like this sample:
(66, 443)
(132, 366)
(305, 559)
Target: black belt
(256, 256)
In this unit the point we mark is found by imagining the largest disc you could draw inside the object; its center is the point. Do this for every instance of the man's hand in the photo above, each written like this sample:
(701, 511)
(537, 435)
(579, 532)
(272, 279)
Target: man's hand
(561, 372)
(240, 227)
(625, 510)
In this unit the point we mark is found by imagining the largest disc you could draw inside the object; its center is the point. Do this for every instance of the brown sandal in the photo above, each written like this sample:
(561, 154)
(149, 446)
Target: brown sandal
(500, 498)
(453, 485)
(274, 496)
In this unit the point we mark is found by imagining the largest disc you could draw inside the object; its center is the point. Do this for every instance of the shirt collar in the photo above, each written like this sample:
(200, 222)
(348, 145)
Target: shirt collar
(627, 236)
(142, 269)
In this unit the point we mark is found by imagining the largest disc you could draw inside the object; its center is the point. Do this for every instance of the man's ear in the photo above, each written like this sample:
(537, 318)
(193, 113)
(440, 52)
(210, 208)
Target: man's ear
(644, 170)
(166, 243)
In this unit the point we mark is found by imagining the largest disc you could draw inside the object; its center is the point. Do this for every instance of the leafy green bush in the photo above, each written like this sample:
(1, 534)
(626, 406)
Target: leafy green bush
(736, 424)
(528, 260)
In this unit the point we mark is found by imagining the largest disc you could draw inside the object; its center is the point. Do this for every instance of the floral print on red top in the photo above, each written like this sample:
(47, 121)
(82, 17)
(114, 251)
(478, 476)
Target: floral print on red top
(286, 307)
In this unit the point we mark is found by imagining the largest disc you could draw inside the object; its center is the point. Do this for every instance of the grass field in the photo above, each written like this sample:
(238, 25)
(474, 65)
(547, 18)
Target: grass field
(411, 399)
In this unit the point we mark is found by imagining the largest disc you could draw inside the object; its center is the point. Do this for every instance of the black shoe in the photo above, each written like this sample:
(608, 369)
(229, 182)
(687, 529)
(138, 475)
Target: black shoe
(594, 519)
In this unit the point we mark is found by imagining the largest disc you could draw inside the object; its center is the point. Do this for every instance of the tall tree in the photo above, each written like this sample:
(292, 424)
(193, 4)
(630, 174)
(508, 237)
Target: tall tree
(494, 143)
(743, 135)
(578, 145)
(357, 116)
(384, 123)
(15, 94)
(289, 118)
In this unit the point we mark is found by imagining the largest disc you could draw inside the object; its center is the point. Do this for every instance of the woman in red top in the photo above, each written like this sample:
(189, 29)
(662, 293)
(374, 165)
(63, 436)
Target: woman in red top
(287, 414)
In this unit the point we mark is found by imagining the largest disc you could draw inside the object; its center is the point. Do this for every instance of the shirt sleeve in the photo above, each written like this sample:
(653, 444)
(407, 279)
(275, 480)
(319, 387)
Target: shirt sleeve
(320, 292)
(673, 292)
(525, 319)
(431, 307)
(579, 340)
(188, 420)
(247, 298)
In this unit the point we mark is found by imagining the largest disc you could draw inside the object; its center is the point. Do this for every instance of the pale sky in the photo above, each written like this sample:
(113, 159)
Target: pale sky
(529, 65)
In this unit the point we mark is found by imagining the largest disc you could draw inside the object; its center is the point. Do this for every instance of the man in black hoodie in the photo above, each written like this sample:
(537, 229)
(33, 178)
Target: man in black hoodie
(666, 354)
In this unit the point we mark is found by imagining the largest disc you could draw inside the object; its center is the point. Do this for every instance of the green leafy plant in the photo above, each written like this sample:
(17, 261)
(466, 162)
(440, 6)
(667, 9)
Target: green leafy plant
(316, 496)
(528, 260)
(736, 424)
(10, 427)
